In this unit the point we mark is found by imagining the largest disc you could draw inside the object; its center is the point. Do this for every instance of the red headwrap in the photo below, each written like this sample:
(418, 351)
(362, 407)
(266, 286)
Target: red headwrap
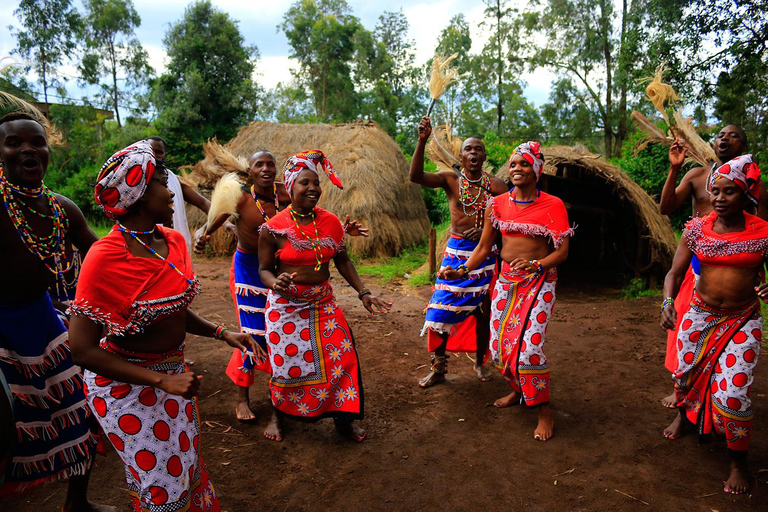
(311, 160)
(531, 151)
(743, 172)
(123, 178)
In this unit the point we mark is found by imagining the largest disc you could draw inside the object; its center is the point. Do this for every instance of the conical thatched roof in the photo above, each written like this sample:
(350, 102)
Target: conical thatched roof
(371, 166)
(573, 175)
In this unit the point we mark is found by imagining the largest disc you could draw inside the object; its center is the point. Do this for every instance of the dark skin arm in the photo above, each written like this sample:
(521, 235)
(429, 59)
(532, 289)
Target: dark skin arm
(673, 195)
(198, 325)
(674, 279)
(417, 174)
(195, 198)
(80, 233)
(348, 271)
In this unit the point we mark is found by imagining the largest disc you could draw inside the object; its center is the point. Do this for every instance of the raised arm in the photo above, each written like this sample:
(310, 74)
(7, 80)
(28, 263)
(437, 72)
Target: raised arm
(674, 195)
(195, 198)
(417, 174)
(672, 282)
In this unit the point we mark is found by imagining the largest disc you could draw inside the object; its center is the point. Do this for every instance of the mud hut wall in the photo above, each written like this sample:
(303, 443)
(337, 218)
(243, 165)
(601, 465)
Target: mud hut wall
(372, 168)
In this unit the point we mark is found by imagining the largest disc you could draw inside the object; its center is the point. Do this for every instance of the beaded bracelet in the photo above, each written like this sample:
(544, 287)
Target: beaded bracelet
(363, 293)
(463, 267)
(539, 266)
(219, 332)
(669, 301)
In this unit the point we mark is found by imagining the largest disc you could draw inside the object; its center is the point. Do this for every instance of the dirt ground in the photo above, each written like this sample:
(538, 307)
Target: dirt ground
(447, 448)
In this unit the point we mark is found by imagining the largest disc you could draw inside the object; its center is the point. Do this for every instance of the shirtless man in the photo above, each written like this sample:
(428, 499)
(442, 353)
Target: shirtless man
(730, 142)
(455, 302)
(257, 204)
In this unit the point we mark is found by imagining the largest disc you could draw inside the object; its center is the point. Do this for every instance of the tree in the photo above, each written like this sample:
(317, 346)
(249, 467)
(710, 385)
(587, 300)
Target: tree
(113, 53)
(455, 38)
(50, 30)
(207, 90)
(498, 49)
(567, 116)
(322, 38)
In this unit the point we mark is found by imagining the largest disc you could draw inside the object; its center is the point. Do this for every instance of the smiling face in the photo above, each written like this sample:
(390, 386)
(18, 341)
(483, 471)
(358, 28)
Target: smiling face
(262, 169)
(727, 198)
(306, 190)
(472, 154)
(730, 143)
(24, 152)
(521, 171)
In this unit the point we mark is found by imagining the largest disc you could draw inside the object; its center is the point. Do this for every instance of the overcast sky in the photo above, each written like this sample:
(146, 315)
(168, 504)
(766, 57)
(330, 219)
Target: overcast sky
(258, 21)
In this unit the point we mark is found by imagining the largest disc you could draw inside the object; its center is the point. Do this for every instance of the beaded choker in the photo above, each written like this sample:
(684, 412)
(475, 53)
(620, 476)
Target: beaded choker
(258, 203)
(134, 235)
(314, 243)
(47, 247)
(477, 202)
(516, 201)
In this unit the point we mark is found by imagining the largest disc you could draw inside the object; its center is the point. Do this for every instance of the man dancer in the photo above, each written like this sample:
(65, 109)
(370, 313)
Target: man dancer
(459, 309)
(730, 142)
(257, 204)
(54, 440)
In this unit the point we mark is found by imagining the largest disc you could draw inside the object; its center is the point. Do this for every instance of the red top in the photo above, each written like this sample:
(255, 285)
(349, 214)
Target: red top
(298, 250)
(742, 249)
(126, 293)
(546, 216)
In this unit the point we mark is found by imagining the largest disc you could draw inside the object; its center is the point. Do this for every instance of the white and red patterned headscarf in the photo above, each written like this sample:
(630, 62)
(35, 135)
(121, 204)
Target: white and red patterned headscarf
(311, 160)
(531, 151)
(742, 171)
(123, 178)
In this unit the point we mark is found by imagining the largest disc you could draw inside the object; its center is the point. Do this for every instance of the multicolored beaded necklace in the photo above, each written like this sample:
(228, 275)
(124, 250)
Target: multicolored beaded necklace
(134, 235)
(314, 243)
(258, 203)
(44, 247)
(477, 202)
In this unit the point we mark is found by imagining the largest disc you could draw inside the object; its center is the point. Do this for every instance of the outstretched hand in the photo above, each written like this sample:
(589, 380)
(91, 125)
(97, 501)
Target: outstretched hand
(669, 317)
(284, 282)
(677, 153)
(354, 228)
(425, 129)
(372, 303)
(243, 341)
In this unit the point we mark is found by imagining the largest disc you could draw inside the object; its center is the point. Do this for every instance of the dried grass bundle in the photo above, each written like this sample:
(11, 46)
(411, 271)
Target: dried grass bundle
(444, 149)
(660, 93)
(698, 150)
(440, 78)
(652, 132)
(225, 197)
(11, 105)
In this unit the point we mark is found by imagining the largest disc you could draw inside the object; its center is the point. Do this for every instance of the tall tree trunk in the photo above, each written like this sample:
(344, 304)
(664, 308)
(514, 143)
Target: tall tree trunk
(113, 60)
(45, 77)
(608, 117)
(621, 132)
(500, 70)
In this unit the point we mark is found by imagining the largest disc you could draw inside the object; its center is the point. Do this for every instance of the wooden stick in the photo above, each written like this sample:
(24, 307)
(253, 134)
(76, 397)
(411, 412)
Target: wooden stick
(631, 497)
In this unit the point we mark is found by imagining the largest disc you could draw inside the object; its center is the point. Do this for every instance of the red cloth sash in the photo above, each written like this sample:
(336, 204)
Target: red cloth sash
(742, 249)
(546, 216)
(298, 251)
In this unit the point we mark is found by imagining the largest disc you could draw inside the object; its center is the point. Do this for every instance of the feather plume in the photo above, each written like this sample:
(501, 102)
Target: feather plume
(444, 150)
(225, 197)
(698, 150)
(441, 75)
(660, 93)
(11, 105)
(652, 132)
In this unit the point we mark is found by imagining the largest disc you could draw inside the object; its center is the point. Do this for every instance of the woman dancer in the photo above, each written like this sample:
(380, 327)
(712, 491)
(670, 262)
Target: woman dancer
(535, 236)
(315, 370)
(136, 285)
(718, 341)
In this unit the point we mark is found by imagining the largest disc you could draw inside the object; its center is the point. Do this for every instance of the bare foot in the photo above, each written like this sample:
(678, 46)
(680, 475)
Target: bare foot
(546, 427)
(670, 402)
(432, 379)
(88, 507)
(508, 401)
(243, 411)
(482, 373)
(675, 429)
(351, 430)
(738, 480)
(274, 430)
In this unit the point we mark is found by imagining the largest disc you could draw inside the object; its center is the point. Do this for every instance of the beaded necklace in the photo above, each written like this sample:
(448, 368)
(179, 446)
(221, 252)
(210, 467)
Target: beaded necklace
(258, 203)
(516, 201)
(134, 235)
(44, 247)
(314, 243)
(477, 202)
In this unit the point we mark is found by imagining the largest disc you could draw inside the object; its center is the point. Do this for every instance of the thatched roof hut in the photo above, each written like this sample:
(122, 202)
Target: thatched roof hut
(372, 167)
(620, 230)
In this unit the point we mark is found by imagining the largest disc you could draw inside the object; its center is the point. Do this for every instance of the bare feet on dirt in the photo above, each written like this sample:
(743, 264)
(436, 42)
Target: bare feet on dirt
(738, 480)
(670, 402)
(482, 373)
(675, 429)
(508, 401)
(243, 411)
(546, 427)
(351, 430)
(432, 379)
(274, 430)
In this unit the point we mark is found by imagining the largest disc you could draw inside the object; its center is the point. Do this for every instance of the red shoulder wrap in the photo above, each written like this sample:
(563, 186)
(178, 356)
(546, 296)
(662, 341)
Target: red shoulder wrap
(742, 249)
(298, 251)
(545, 217)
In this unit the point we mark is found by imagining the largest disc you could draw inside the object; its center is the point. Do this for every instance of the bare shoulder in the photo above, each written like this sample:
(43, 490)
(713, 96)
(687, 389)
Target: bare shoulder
(69, 206)
(282, 193)
(696, 174)
(498, 186)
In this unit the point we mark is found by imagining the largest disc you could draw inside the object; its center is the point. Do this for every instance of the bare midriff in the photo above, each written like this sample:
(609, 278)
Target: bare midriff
(526, 247)
(728, 288)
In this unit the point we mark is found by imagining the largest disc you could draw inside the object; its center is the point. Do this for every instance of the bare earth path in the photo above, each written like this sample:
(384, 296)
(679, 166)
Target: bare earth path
(447, 448)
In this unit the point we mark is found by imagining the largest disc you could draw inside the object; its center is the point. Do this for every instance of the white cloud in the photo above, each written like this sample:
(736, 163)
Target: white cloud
(272, 70)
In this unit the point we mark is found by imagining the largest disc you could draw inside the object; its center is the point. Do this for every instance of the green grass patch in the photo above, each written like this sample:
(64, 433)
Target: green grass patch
(101, 228)
(398, 267)
(638, 288)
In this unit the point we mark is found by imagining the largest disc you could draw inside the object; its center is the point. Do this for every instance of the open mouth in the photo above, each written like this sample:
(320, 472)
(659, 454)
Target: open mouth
(30, 163)
(313, 196)
(474, 160)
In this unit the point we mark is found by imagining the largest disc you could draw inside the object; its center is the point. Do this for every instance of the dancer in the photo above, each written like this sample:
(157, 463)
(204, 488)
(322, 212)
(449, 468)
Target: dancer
(535, 238)
(458, 312)
(315, 370)
(719, 336)
(730, 142)
(136, 285)
(53, 438)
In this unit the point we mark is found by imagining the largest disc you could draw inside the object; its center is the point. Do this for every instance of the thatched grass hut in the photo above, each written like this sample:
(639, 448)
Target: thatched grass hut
(620, 230)
(372, 167)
